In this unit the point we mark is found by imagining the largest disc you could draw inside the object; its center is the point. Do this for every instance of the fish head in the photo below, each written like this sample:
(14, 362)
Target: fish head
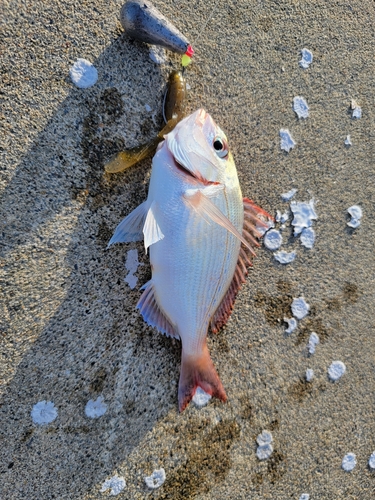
(200, 147)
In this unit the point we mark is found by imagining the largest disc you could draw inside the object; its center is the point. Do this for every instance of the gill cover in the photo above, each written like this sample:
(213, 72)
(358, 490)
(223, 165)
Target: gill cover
(200, 146)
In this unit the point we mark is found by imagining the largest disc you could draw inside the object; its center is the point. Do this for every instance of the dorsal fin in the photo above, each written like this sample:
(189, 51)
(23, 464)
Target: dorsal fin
(152, 313)
(255, 221)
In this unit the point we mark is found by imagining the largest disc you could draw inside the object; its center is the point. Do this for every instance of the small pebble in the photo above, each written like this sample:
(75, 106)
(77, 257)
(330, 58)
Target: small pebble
(371, 461)
(300, 308)
(264, 438)
(307, 237)
(309, 375)
(264, 451)
(201, 398)
(273, 239)
(304, 496)
(300, 107)
(336, 370)
(115, 483)
(304, 213)
(156, 479)
(83, 74)
(356, 110)
(349, 462)
(286, 140)
(348, 141)
(307, 58)
(289, 195)
(292, 325)
(356, 214)
(285, 257)
(44, 413)
(313, 342)
(95, 409)
(158, 54)
(148, 108)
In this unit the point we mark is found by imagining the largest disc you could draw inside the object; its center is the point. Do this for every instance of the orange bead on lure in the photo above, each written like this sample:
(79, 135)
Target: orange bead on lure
(201, 234)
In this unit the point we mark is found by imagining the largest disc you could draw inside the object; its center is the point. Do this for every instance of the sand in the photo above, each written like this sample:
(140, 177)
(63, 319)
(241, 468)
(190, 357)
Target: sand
(69, 329)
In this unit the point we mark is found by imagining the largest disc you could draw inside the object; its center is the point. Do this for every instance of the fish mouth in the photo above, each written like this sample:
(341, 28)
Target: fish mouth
(186, 172)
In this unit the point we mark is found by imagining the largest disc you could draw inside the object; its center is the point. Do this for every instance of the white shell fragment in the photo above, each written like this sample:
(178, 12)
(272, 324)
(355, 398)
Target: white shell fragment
(300, 308)
(304, 496)
(356, 110)
(83, 74)
(307, 58)
(95, 409)
(285, 257)
(262, 230)
(348, 141)
(43, 413)
(148, 108)
(356, 214)
(349, 462)
(336, 370)
(286, 140)
(313, 342)
(304, 214)
(131, 265)
(281, 217)
(292, 325)
(264, 451)
(300, 107)
(116, 484)
(264, 438)
(273, 239)
(156, 479)
(308, 237)
(158, 55)
(201, 398)
(371, 460)
(289, 195)
(309, 375)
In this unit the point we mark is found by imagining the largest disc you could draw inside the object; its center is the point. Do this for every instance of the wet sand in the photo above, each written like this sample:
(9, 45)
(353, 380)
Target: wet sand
(69, 329)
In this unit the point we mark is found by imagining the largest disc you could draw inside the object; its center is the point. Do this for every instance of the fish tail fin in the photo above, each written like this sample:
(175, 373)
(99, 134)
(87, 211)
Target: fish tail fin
(198, 371)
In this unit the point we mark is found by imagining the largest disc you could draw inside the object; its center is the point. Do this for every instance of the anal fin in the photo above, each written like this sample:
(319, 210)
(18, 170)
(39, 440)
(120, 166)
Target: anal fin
(152, 313)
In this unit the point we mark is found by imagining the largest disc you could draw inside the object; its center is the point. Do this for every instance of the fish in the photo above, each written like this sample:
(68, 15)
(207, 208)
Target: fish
(173, 111)
(201, 235)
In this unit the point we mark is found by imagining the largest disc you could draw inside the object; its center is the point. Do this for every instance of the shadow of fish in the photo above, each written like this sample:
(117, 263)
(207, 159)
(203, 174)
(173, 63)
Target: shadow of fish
(201, 234)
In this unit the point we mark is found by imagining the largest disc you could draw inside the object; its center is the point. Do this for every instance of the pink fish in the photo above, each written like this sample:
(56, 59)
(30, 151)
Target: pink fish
(201, 234)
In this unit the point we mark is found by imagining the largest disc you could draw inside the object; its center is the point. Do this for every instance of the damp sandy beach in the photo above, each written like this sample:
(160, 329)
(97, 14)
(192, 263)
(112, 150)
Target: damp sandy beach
(69, 330)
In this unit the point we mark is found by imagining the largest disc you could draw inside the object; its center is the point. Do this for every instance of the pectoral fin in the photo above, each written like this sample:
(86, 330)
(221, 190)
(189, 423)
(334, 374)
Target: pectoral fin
(209, 211)
(151, 229)
(130, 229)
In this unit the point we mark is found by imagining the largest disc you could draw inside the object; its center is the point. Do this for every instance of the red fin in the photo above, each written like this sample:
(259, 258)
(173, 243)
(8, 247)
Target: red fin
(225, 308)
(152, 313)
(256, 214)
(255, 218)
(198, 372)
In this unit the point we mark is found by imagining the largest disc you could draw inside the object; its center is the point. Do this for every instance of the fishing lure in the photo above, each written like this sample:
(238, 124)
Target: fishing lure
(173, 111)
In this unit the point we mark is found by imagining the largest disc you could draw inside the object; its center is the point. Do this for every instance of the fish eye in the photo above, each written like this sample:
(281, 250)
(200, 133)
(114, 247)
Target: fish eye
(220, 147)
